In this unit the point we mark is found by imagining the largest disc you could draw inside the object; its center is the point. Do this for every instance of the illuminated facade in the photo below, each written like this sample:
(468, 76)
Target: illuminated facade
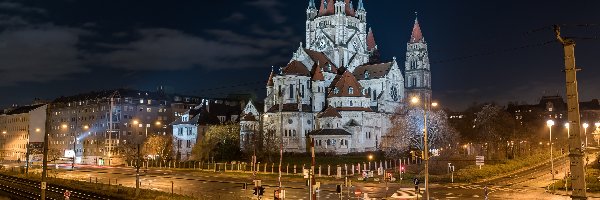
(335, 89)
(19, 127)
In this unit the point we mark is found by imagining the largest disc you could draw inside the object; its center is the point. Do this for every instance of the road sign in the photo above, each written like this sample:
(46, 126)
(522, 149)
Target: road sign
(43, 185)
(479, 160)
(67, 194)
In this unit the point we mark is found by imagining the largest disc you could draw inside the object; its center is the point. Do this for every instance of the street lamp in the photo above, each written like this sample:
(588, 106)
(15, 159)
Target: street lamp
(426, 106)
(550, 123)
(597, 124)
(585, 126)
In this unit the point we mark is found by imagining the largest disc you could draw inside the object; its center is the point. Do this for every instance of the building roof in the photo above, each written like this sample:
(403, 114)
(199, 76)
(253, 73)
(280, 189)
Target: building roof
(289, 107)
(105, 94)
(296, 68)
(375, 71)
(317, 73)
(327, 7)
(340, 87)
(329, 132)
(349, 8)
(22, 109)
(557, 102)
(416, 36)
(248, 117)
(322, 60)
(371, 40)
(330, 112)
(270, 81)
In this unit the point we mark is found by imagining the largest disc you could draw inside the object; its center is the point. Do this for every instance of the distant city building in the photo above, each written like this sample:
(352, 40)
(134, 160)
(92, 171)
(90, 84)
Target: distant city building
(335, 89)
(80, 124)
(20, 127)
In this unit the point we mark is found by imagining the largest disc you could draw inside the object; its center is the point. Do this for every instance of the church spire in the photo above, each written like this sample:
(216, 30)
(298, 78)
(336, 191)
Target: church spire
(361, 6)
(416, 36)
(270, 81)
(371, 44)
(311, 4)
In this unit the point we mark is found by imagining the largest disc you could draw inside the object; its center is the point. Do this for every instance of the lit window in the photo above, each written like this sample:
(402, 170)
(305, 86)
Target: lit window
(141, 100)
(350, 90)
(366, 74)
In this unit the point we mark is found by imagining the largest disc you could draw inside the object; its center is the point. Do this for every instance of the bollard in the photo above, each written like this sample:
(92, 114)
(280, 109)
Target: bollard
(328, 170)
(171, 188)
(319, 170)
(346, 169)
(352, 170)
(265, 169)
(294, 169)
(272, 168)
(287, 167)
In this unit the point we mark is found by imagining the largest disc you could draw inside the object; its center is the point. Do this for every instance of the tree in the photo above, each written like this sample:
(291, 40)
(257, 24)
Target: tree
(159, 146)
(407, 128)
(220, 141)
(494, 126)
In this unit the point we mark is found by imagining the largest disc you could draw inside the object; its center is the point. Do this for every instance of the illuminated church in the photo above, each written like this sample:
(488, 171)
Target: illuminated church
(335, 88)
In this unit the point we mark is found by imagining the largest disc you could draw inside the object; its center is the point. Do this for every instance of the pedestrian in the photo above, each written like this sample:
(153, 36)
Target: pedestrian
(485, 192)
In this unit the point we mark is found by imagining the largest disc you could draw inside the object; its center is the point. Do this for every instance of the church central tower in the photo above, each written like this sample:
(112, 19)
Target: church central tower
(339, 31)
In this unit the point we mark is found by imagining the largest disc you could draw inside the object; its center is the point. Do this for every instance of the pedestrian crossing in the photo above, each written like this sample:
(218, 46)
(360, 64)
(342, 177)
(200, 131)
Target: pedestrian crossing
(490, 188)
(406, 193)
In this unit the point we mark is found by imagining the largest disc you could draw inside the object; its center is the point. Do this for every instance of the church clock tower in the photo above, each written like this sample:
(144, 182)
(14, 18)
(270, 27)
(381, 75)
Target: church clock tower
(418, 72)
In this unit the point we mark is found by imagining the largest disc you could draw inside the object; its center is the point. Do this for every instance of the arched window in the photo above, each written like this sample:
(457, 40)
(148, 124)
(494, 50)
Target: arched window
(350, 90)
(336, 91)
(350, 103)
(366, 74)
(414, 82)
(413, 64)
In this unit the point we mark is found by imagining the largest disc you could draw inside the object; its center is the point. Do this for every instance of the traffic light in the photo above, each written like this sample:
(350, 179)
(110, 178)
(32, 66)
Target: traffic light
(255, 191)
(261, 191)
(338, 189)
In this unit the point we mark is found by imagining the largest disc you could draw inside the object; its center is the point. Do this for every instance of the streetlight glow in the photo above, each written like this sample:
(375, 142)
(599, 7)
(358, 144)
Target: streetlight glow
(586, 125)
(135, 122)
(370, 157)
(64, 126)
(158, 123)
(414, 100)
(597, 124)
(86, 127)
(434, 104)
(37, 130)
(550, 123)
(567, 125)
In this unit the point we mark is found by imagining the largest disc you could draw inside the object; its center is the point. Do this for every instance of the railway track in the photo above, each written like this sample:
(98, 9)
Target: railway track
(30, 189)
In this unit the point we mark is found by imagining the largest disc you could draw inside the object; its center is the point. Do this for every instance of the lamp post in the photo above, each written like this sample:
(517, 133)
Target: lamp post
(426, 107)
(550, 123)
(585, 126)
(597, 124)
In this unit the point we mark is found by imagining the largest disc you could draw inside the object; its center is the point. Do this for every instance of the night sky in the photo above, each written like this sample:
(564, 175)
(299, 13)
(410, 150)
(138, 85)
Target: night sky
(480, 51)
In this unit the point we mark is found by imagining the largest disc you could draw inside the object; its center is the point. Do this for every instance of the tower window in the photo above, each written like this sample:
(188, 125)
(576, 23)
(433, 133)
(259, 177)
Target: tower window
(291, 90)
(350, 90)
(336, 91)
(413, 64)
(414, 82)
(366, 74)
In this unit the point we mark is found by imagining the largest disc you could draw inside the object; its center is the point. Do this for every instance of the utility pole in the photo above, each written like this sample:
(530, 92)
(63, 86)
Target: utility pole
(45, 153)
(137, 172)
(575, 151)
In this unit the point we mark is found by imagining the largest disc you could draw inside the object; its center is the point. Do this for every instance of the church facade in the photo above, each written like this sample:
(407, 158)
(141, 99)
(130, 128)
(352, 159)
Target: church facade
(335, 88)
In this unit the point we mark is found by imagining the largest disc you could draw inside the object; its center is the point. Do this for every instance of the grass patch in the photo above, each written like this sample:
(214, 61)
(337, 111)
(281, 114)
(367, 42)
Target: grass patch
(473, 173)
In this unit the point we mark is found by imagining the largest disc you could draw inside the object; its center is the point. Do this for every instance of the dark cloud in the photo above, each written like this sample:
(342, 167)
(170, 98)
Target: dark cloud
(235, 17)
(168, 49)
(18, 7)
(39, 54)
(272, 8)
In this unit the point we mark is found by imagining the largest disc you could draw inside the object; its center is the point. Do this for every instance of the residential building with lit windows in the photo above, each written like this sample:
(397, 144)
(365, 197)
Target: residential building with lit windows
(80, 123)
(21, 126)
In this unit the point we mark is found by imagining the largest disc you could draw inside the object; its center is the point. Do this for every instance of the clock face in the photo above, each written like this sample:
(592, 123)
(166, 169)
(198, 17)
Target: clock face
(290, 121)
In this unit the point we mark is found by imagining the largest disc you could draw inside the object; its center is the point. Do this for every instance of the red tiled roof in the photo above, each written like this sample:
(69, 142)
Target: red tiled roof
(371, 40)
(416, 36)
(322, 60)
(330, 112)
(375, 71)
(317, 73)
(349, 10)
(296, 68)
(248, 117)
(343, 83)
(330, 10)
(330, 132)
(270, 81)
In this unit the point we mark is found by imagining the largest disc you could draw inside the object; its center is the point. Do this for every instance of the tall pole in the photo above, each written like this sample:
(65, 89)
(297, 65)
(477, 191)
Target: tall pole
(45, 154)
(575, 151)
(313, 194)
(110, 128)
(74, 149)
(426, 148)
(551, 155)
(137, 172)
(280, 136)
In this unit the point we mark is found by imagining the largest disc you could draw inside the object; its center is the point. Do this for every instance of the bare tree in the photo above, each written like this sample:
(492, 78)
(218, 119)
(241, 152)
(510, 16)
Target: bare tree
(407, 128)
(494, 127)
(220, 141)
(158, 145)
